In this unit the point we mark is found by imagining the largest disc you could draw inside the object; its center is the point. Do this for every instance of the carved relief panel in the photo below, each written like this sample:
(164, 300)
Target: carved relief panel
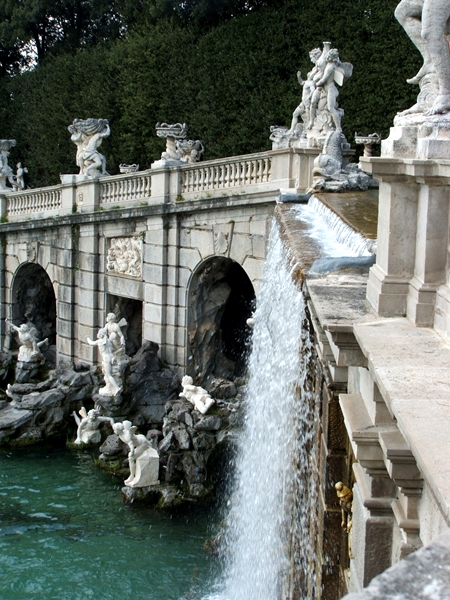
(124, 256)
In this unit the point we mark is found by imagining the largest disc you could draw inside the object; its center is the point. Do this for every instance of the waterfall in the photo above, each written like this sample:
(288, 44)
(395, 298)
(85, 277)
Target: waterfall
(345, 240)
(268, 550)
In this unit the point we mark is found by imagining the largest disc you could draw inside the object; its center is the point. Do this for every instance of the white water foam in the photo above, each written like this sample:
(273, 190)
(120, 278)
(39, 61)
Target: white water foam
(271, 519)
(335, 236)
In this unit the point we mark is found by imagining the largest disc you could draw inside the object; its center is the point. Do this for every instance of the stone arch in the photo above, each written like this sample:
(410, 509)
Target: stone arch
(220, 300)
(33, 299)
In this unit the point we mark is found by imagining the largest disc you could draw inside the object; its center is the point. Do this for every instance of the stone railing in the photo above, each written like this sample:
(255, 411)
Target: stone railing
(237, 172)
(33, 202)
(123, 189)
(250, 175)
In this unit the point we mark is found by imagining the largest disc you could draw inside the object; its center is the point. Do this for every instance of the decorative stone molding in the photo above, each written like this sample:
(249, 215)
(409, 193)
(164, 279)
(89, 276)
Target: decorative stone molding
(124, 256)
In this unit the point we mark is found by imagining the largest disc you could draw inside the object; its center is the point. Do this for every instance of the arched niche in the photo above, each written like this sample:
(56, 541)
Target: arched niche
(33, 299)
(220, 300)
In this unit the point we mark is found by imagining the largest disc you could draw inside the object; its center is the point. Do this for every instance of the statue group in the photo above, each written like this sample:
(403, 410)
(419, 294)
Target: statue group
(111, 344)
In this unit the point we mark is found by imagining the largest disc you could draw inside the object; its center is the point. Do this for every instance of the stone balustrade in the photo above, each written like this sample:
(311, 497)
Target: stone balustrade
(259, 173)
(123, 189)
(32, 202)
(239, 171)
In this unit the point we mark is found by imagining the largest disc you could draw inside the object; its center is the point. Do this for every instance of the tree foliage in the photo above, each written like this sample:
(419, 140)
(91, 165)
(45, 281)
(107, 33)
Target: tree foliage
(229, 76)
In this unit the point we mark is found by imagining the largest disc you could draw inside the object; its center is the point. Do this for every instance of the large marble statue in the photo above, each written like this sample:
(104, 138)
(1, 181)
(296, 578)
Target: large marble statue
(178, 148)
(6, 173)
(426, 23)
(88, 426)
(29, 342)
(87, 135)
(318, 110)
(143, 459)
(196, 395)
(112, 387)
(111, 344)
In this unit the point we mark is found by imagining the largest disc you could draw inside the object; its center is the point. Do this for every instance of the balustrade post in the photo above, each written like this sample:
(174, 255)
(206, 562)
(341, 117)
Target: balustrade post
(3, 208)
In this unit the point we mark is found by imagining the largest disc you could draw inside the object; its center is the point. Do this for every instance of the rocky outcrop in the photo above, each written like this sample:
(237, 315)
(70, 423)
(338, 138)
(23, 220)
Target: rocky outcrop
(190, 447)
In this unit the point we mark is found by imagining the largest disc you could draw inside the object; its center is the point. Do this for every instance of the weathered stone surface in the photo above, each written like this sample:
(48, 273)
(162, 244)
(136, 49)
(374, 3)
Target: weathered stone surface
(220, 388)
(112, 447)
(209, 423)
(182, 437)
(424, 575)
(12, 417)
(166, 443)
(38, 400)
(148, 384)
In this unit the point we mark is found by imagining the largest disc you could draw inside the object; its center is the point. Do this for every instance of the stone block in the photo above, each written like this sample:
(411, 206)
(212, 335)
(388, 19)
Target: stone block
(190, 257)
(259, 246)
(87, 280)
(125, 287)
(88, 262)
(65, 328)
(154, 255)
(258, 226)
(152, 313)
(203, 241)
(241, 248)
(152, 332)
(153, 293)
(153, 273)
(253, 267)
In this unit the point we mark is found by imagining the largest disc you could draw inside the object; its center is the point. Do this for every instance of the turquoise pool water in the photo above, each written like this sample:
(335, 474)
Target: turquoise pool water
(65, 534)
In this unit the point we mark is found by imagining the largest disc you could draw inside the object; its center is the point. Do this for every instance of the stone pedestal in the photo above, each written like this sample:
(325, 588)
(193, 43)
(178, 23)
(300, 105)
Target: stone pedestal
(413, 220)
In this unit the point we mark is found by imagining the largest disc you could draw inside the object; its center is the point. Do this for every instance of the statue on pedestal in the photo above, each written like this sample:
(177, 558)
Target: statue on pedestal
(88, 426)
(178, 148)
(426, 24)
(318, 109)
(196, 395)
(143, 459)
(87, 135)
(30, 357)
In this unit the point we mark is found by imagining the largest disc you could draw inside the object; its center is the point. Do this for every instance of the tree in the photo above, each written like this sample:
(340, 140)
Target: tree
(34, 28)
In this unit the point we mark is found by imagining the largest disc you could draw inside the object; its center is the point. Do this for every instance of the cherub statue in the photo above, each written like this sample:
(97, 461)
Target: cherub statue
(108, 359)
(426, 24)
(196, 395)
(143, 459)
(88, 426)
(29, 345)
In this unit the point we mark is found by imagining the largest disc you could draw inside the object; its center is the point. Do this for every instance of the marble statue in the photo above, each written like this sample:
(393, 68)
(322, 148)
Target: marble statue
(30, 345)
(111, 344)
(104, 344)
(190, 150)
(178, 148)
(87, 135)
(196, 395)
(6, 173)
(116, 337)
(88, 426)
(125, 256)
(318, 110)
(426, 23)
(143, 459)
(19, 178)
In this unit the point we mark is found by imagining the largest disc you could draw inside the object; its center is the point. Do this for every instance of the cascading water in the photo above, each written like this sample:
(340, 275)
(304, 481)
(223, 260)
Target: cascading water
(268, 550)
(345, 241)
